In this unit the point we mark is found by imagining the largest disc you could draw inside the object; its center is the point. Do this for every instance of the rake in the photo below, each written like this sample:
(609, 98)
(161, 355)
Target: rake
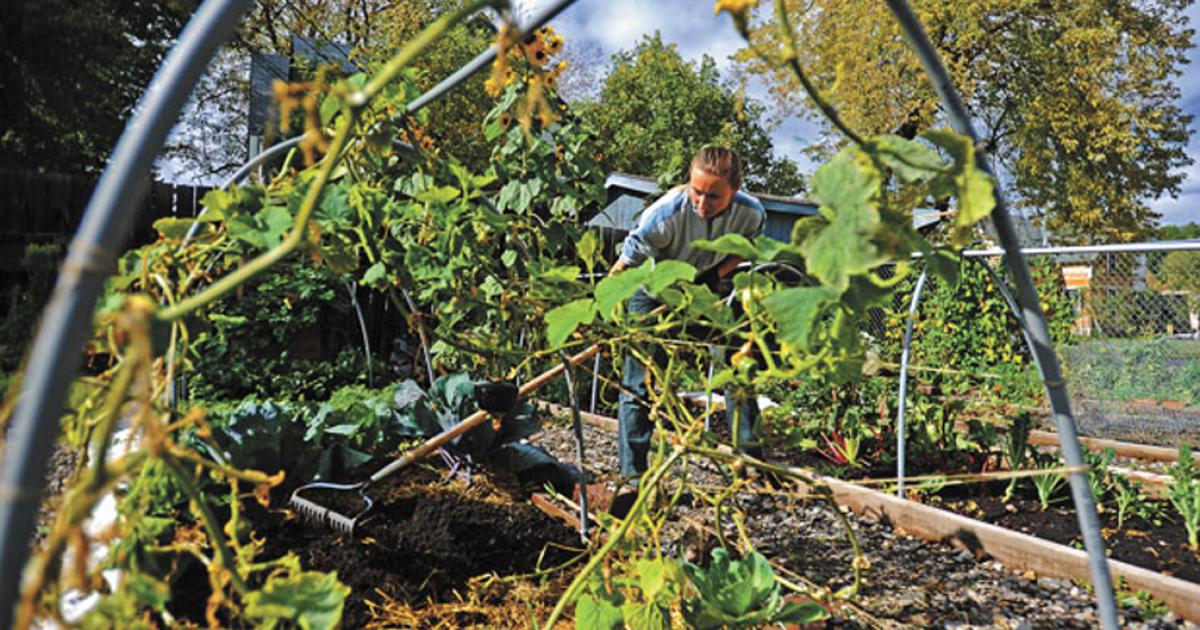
(314, 511)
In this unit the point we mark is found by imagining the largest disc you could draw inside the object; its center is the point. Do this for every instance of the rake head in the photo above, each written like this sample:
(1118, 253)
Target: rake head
(326, 516)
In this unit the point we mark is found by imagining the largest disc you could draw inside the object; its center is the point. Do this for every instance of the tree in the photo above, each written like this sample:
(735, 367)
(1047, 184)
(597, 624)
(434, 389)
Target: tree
(1180, 271)
(1075, 99)
(212, 141)
(71, 73)
(656, 110)
(1186, 231)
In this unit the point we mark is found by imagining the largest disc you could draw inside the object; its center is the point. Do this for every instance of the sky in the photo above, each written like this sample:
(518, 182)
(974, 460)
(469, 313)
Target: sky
(614, 25)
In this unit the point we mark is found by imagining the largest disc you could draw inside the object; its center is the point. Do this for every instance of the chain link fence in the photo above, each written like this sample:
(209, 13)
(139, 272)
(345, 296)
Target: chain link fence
(1128, 334)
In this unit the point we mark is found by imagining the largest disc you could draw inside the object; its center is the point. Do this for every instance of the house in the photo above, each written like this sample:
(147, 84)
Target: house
(266, 69)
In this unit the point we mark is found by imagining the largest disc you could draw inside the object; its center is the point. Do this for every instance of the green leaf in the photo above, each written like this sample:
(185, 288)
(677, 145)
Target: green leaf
(277, 221)
(616, 288)
(762, 576)
(491, 287)
(311, 600)
(797, 310)
(807, 612)
(771, 250)
(492, 130)
(720, 379)
(977, 198)
(592, 613)
(564, 320)
(648, 616)
(173, 228)
(564, 273)
(508, 258)
(944, 264)
(375, 276)
(334, 206)
(588, 249)
(731, 245)
(910, 160)
(974, 189)
(664, 274)
(847, 187)
(330, 106)
(440, 194)
(651, 576)
(148, 591)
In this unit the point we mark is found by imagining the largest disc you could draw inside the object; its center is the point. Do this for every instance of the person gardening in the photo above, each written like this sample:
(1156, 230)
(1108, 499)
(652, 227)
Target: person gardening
(709, 206)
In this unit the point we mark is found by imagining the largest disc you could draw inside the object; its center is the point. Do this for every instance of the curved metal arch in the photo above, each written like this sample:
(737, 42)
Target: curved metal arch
(1041, 345)
(90, 258)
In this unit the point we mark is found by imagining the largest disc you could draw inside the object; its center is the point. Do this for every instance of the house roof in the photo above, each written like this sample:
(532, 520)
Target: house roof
(642, 186)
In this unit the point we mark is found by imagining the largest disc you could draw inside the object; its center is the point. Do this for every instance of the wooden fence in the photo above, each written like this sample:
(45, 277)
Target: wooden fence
(47, 208)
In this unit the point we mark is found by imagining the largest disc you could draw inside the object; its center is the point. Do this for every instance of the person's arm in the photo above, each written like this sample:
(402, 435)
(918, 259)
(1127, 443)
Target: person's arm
(651, 235)
(725, 269)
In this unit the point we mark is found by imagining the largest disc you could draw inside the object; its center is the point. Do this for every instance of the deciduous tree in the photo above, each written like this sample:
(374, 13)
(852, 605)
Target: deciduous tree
(71, 73)
(656, 110)
(1076, 99)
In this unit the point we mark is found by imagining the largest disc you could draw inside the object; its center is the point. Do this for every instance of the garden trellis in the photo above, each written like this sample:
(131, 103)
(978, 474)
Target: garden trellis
(91, 258)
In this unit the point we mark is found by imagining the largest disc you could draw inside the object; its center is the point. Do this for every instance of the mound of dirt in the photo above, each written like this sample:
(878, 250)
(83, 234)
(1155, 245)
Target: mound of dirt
(424, 540)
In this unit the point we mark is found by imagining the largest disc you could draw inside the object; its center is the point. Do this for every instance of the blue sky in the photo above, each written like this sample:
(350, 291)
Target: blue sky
(614, 25)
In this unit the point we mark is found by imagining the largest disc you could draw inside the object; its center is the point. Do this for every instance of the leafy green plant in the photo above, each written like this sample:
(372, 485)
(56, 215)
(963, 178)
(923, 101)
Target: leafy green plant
(1184, 492)
(289, 337)
(1132, 501)
(741, 594)
(1016, 443)
(1148, 606)
(488, 258)
(642, 599)
(1049, 484)
(1100, 481)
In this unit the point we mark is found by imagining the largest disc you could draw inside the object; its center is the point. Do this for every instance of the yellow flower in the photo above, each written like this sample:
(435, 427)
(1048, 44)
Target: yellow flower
(491, 87)
(734, 7)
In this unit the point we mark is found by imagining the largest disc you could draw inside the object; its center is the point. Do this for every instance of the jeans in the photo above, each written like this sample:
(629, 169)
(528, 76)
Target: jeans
(633, 417)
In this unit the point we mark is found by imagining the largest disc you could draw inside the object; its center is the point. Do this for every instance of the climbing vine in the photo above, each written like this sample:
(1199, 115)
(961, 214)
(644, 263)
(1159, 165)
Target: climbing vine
(488, 266)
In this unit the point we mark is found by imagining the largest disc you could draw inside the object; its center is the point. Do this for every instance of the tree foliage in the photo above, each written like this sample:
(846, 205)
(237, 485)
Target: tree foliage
(1075, 99)
(71, 73)
(373, 30)
(660, 109)
(1180, 271)
(1177, 232)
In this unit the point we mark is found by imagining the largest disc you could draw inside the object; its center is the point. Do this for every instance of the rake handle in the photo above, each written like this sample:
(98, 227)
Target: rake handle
(473, 420)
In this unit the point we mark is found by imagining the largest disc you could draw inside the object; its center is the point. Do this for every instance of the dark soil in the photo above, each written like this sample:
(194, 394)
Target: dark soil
(424, 540)
(1162, 547)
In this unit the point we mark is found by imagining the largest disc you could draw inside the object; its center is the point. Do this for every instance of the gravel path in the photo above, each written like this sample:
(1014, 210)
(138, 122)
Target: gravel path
(910, 583)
